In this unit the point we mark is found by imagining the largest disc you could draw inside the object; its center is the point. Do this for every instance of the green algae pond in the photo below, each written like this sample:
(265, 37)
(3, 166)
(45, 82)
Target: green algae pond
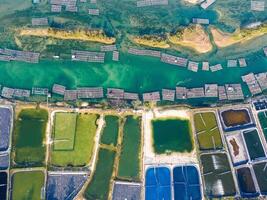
(98, 188)
(81, 149)
(130, 158)
(172, 135)
(28, 185)
(110, 132)
(28, 138)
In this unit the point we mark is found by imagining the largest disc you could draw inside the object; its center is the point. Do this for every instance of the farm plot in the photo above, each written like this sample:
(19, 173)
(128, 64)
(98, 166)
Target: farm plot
(217, 174)
(131, 146)
(207, 131)
(254, 146)
(27, 185)
(64, 131)
(5, 126)
(111, 130)
(78, 152)
(29, 135)
(64, 186)
(98, 187)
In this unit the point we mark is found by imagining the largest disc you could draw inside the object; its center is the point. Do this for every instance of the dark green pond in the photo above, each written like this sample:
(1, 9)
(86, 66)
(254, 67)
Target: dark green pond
(172, 135)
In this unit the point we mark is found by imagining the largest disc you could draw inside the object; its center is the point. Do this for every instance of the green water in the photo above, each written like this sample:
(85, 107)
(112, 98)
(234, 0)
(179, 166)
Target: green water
(121, 18)
(111, 130)
(172, 135)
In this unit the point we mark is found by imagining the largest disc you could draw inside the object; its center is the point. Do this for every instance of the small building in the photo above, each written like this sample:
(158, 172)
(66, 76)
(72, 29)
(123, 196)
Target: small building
(58, 89)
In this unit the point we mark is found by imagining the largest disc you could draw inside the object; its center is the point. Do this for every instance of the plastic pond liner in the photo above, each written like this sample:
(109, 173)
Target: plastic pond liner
(158, 183)
(186, 183)
(237, 148)
(236, 119)
(3, 185)
(64, 186)
(245, 182)
(217, 174)
(254, 145)
(260, 170)
(5, 123)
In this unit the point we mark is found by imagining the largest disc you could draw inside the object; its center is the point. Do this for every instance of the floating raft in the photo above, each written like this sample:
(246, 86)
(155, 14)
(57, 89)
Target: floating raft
(216, 68)
(181, 93)
(56, 8)
(242, 62)
(195, 93)
(145, 3)
(88, 56)
(252, 84)
(201, 21)
(234, 92)
(211, 90)
(58, 89)
(207, 4)
(174, 60)
(107, 48)
(144, 52)
(114, 93)
(168, 95)
(151, 96)
(39, 21)
(93, 12)
(90, 92)
(115, 56)
(205, 66)
(257, 5)
(39, 91)
(25, 56)
(193, 66)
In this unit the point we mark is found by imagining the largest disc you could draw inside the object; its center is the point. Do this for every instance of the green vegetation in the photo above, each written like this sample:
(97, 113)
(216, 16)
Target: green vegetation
(172, 135)
(111, 130)
(27, 185)
(81, 154)
(129, 164)
(207, 131)
(98, 188)
(64, 131)
(263, 121)
(29, 135)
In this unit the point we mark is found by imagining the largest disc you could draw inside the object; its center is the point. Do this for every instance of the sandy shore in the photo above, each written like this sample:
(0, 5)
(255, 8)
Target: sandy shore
(223, 39)
(193, 37)
(151, 41)
(150, 157)
(79, 34)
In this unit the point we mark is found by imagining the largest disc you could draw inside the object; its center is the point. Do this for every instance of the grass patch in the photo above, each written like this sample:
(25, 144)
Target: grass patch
(98, 188)
(172, 135)
(129, 164)
(64, 131)
(27, 185)
(29, 134)
(207, 131)
(111, 130)
(81, 154)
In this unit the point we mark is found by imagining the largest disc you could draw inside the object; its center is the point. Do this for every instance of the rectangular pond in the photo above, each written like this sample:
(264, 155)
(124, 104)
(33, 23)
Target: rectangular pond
(260, 170)
(217, 174)
(5, 126)
(254, 145)
(172, 135)
(263, 122)
(4, 161)
(186, 183)
(207, 131)
(237, 148)
(158, 183)
(246, 183)
(236, 119)
(3, 185)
